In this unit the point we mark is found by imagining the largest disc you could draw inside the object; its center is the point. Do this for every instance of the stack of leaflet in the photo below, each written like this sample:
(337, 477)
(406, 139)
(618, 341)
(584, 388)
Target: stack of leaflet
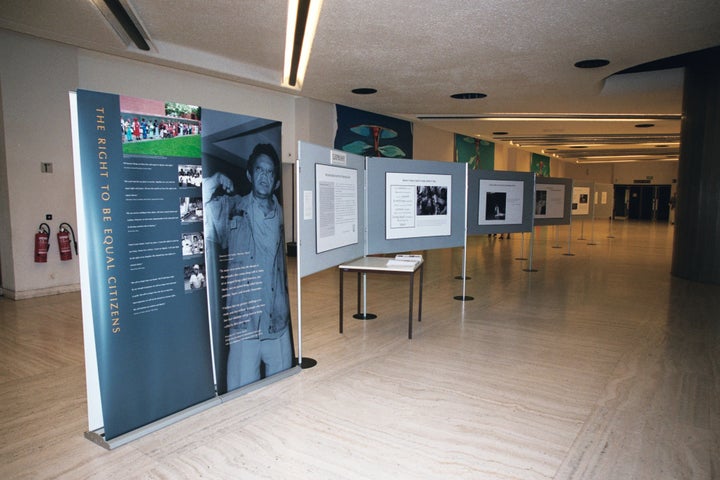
(405, 260)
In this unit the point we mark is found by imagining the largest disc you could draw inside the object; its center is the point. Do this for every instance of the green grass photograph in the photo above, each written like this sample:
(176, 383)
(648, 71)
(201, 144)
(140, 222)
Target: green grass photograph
(181, 146)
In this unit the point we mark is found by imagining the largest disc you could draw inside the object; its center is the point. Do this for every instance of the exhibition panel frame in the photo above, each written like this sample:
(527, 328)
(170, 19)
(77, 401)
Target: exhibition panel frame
(330, 207)
(604, 199)
(417, 205)
(553, 201)
(500, 201)
(583, 204)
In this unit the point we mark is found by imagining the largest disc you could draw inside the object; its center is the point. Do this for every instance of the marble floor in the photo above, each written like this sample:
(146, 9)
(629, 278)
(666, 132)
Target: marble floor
(599, 365)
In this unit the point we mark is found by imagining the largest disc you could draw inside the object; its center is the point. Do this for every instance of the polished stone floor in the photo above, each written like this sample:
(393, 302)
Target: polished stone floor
(599, 365)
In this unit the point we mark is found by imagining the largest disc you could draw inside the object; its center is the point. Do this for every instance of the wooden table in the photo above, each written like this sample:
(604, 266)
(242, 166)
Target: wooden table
(384, 265)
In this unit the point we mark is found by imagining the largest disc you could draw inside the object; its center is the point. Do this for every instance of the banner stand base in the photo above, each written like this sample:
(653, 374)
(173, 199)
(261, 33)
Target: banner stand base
(365, 316)
(307, 362)
(98, 436)
(464, 298)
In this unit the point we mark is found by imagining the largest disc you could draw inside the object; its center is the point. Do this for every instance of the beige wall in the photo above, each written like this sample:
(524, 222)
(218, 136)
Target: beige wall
(35, 127)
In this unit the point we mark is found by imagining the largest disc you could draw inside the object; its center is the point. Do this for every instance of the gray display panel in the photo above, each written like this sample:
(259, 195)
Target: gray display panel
(582, 204)
(330, 208)
(500, 201)
(401, 219)
(553, 201)
(604, 199)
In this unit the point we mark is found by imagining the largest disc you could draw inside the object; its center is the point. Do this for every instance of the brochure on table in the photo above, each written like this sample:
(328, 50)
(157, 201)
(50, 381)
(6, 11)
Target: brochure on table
(553, 201)
(500, 202)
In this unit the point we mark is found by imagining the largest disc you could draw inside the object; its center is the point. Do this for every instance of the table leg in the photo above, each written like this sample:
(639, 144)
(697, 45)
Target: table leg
(341, 301)
(412, 281)
(420, 295)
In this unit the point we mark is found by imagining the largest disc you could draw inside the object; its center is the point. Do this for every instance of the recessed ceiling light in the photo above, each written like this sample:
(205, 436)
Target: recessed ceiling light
(550, 149)
(364, 91)
(661, 146)
(500, 133)
(592, 63)
(644, 125)
(468, 95)
(578, 146)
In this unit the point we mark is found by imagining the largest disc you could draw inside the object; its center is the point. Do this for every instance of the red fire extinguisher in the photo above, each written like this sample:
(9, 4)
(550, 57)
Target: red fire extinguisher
(42, 243)
(63, 236)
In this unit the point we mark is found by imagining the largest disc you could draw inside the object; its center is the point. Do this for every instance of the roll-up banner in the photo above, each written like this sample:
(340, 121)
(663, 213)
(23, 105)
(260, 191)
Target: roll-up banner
(156, 294)
(242, 208)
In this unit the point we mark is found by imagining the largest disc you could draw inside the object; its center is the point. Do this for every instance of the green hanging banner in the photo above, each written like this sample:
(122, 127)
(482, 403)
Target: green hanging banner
(540, 164)
(478, 154)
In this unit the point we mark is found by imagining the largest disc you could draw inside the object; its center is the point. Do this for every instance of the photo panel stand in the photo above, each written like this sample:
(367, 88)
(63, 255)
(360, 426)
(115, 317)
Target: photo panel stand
(530, 256)
(582, 230)
(604, 202)
(610, 231)
(362, 314)
(522, 247)
(501, 202)
(592, 232)
(330, 210)
(569, 250)
(302, 361)
(408, 224)
(464, 297)
(556, 243)
(463, 275)
(554, 205)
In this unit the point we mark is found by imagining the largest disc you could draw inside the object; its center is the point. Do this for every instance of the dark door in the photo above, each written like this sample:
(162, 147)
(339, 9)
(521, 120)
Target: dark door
(641, 202)
(646, 202)
(662, 194)
(620, 205)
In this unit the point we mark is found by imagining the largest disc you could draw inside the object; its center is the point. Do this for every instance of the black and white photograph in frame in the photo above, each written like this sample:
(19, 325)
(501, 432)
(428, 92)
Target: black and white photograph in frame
(189, 176)
(191, 209)
(432, 200)
(495, 206)
(417, 205)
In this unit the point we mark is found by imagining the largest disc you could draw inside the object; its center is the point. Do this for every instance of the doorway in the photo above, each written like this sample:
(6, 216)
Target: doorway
(643, 202)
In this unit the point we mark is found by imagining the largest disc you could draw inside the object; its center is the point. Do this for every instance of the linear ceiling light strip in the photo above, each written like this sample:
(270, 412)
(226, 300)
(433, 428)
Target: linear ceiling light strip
(127, 23)
(303, 16)
(303, 7)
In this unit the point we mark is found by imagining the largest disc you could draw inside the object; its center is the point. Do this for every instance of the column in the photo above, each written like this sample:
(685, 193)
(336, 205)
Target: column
(696, 250)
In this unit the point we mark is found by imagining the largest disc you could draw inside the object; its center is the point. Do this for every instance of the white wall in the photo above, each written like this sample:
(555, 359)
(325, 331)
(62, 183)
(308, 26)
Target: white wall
(600, 173)
(433, 144)
(36, 128)
(35, 78)
(662, 173)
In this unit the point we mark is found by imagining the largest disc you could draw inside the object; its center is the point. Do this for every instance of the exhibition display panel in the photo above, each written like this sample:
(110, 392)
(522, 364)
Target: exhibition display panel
(500, 202)
(553, 201)
(182, 265)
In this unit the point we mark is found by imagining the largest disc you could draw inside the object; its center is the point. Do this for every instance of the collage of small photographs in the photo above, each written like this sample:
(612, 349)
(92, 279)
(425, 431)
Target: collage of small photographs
(193, 241)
